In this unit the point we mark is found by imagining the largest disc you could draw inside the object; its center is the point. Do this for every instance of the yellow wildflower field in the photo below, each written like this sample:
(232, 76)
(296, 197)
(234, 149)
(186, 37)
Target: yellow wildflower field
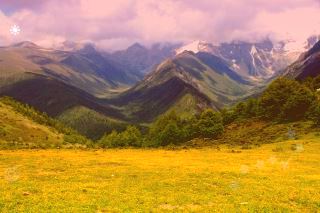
(275, 177)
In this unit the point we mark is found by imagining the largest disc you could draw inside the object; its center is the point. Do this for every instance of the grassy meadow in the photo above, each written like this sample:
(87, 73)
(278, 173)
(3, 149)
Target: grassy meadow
(279, 177)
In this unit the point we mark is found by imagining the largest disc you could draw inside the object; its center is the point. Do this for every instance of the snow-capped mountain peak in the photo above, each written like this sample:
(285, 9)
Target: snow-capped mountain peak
(196, 46)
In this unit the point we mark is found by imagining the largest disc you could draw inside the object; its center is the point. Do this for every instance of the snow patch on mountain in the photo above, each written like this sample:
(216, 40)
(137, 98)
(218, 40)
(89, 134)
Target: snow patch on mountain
(295, 46)
(253, 53)
(195, 47)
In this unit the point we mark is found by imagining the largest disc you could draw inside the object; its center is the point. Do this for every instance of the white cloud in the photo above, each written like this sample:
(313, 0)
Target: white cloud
(119, 23)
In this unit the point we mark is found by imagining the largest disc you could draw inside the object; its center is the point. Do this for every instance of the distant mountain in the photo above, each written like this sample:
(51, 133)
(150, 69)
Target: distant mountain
(85, 68)
(92, 60)
(53, 96)
(139, 59)
(187, 83)
(308, 65)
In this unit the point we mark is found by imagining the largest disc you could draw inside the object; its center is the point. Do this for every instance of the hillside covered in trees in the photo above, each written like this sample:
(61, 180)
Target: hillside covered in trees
(284, 102)
(21, 126)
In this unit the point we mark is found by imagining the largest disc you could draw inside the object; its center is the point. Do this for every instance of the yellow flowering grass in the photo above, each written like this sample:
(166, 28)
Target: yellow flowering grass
(276, 177)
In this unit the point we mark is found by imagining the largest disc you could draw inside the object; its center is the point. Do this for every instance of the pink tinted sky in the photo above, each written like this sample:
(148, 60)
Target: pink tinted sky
(117, 24)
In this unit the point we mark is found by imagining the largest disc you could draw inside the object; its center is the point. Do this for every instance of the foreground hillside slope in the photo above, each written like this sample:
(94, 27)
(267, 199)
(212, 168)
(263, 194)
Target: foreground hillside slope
(18, 131)
(63, 101)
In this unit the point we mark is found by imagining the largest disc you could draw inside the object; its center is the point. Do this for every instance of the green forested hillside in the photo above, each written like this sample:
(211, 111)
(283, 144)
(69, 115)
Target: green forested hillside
(23, 127)
(89, 122)
(18, 131)
(285, 106)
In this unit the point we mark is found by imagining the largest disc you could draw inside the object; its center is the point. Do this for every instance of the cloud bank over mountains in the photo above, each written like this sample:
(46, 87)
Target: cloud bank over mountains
(115, 25)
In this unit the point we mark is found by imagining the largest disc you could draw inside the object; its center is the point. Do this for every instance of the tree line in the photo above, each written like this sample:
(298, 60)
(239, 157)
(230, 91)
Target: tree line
(284, 100)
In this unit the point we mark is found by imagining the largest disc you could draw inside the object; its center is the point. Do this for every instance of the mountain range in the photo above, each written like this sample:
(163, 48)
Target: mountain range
(256, 61)
(140, 83)
(200, 80)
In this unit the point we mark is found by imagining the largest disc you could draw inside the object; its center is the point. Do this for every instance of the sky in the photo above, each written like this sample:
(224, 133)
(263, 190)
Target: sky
(116, 24)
